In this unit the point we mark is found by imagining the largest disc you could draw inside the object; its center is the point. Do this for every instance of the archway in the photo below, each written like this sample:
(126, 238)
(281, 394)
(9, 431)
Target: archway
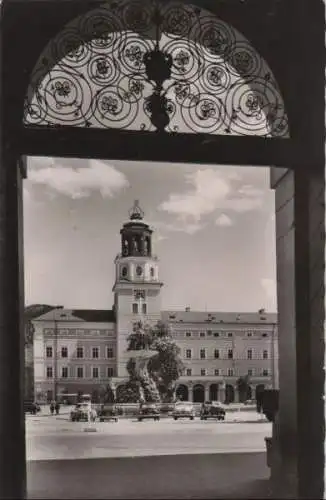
(213, 392)
(98, 73)
(305, 92)
(198, 393)
(182, 392)
(229, 393)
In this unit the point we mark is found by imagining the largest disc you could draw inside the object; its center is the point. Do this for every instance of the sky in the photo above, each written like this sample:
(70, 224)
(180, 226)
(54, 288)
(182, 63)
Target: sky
(214, 232)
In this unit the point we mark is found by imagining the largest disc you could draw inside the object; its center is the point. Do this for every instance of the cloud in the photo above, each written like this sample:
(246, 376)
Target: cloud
(210, 191)
(178, 226)
(269, 286)
(223, 221)
(78, 182)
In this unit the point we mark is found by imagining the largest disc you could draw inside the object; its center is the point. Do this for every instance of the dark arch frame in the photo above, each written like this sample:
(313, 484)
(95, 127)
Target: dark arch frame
(289, 35)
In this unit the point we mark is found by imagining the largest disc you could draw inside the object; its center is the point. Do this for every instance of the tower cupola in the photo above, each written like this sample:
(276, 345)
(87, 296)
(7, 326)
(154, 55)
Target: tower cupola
(136, 235)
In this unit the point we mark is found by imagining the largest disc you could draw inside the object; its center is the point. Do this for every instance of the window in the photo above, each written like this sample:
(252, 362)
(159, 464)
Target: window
(202, 353)
(80, 372)
(64, 372)
(202, 334)
(49, 352)
(230, 372)
(188, 353)
(265, 354)
(139, 294)
(203, 372)
(216, 353)
(188, 334)
(144, 308)
(230, 334)
(80, 352)
(135, 308)
(109, 352)
(264, 335)
(216, 372)
(95, 352)
(216, 334)
(64, 352)
(230, 353)
(249, 334)
(139, 270)
(250, 372)
(265, 373)
(152, 272)
(249, 354)
(124, 271)
(49, 372)
(189, 372)
(110, 371)
(95, 372)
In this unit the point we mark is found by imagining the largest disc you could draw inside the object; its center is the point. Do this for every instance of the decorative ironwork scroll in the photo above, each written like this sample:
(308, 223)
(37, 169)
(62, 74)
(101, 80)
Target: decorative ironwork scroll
(146, 65)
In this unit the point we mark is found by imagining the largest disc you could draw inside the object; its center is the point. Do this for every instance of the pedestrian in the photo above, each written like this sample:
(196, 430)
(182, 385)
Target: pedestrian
(57, 408)
(52, 406)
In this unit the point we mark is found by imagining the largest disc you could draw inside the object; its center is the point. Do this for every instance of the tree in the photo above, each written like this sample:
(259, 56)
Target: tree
(163, 368)
(166, 366)
(243, 387)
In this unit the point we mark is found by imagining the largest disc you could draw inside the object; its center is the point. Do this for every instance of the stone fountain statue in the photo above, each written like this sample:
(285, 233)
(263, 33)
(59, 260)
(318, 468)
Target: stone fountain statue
(140, 351)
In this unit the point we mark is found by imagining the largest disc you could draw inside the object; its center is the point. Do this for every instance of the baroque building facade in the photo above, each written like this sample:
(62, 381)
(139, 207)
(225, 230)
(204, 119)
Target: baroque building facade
(78, 351)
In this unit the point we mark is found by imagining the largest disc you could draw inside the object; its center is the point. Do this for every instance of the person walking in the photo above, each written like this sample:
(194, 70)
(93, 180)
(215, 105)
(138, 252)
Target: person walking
(57, 408)
(52, 407)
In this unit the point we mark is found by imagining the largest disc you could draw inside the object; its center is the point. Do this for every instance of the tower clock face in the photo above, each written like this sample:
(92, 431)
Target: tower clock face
(139, 270)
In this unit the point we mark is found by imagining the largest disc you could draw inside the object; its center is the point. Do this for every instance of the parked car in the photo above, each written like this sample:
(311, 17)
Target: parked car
(31, 407)
(212, 409)
(108, 412)
(183, 410)
(83, 412)
(148, 410)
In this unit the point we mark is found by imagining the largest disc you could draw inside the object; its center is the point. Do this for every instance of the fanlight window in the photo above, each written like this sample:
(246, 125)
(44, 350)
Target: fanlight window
(154, 66)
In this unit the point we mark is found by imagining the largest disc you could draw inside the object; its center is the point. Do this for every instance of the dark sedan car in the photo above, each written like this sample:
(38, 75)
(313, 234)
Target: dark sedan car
(148, 410)
(211, 409)
(108, 412)
(31, 407)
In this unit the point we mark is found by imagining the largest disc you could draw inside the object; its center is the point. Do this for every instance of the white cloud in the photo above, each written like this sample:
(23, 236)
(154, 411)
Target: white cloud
(178, 226)
(269, 286)
(211, 190)
(223, 221)
(78, 182)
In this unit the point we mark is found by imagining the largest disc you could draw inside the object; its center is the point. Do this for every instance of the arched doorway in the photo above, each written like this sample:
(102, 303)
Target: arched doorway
(182, 392)
(213, 392)
(229, 393)
(198, 393)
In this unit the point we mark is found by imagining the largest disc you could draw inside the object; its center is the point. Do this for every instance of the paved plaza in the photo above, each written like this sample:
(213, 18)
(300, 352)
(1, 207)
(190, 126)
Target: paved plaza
(130, 459)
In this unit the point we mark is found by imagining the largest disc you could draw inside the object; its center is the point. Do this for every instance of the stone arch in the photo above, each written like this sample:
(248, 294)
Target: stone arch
(92, 74)
(182, 392)
(198, 393)
(229, 393)
(213, 392)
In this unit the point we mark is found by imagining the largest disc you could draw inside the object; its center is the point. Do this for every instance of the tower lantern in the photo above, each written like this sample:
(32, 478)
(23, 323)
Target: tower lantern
(136, 235)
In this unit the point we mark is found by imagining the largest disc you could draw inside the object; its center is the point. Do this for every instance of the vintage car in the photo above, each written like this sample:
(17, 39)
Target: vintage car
(108, 412)
(183, 410)
(83, 412)
(148, 410)
(212, 409)
(31, 407)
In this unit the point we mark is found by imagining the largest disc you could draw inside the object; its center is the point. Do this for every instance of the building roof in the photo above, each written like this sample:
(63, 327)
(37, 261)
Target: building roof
(95, 315)
(218, 318)
(88, 315)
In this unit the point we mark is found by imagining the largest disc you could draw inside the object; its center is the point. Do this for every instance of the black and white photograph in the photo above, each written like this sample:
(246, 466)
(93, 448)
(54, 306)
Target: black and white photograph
(162, 249)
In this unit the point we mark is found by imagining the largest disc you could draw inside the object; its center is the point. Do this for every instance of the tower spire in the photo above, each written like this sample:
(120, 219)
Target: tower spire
(136, 213)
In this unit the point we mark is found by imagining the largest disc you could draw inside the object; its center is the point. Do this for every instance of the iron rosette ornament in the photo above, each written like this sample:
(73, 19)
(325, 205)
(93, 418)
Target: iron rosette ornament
(155, 66)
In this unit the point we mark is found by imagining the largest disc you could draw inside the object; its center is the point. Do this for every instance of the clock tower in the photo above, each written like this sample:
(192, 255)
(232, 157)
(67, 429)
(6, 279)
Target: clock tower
(137, 286)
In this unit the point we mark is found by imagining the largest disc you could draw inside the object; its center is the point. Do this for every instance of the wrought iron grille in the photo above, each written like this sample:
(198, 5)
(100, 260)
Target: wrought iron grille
(146, 65)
